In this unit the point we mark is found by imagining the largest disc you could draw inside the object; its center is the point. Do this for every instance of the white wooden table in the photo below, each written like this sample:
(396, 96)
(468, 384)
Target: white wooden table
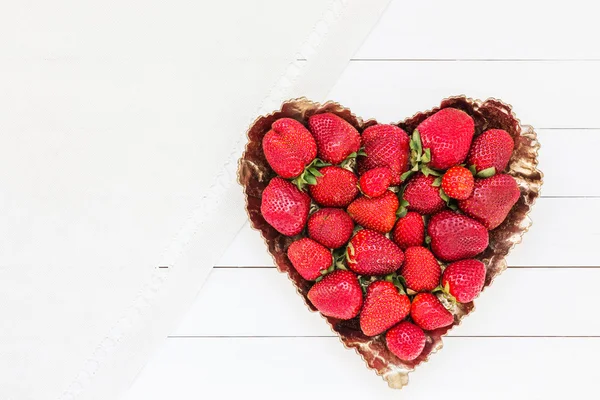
(536, 331)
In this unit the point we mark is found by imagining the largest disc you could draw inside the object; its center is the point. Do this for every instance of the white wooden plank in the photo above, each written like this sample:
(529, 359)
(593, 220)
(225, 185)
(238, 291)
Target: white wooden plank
(560, 180)
(306, 368)
(260, 302)
(565, 232)
(511, 29)
(555, 94)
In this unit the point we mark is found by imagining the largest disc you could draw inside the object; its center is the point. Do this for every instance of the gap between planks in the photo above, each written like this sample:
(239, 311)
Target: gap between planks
(473, 59)
(468, 59)
(515, 267)
(335, 336)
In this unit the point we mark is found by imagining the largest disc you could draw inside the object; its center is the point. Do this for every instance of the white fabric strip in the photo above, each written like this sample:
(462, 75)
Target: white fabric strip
(83, 125)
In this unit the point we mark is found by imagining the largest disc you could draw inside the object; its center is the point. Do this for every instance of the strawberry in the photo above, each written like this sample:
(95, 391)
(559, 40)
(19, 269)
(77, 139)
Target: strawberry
(336, 139)
(378, 214)
(492, 200)
(409, 230)
(420, 270)
(386, 146)
(309, 258)
(455, 236)
(284, 207)
(464, 279)
(492, 148)
(371, 253)
(429, 313)
(447, 134)
(337, 295)
(406, 341)
(336, 187)
(384, 307)
(375, 182)
(458, 183)
(331, 227)
(289, 147)
(422, 196)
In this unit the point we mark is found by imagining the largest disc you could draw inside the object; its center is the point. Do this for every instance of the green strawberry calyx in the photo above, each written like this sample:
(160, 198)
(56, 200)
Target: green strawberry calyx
(399, 282)
(445, 291)
(419, 158)
(451, 203)
(360, 152)
(339, 258)
(350, 161)
(484, 173)
(403, 208)
(364, 282)
(310, 174)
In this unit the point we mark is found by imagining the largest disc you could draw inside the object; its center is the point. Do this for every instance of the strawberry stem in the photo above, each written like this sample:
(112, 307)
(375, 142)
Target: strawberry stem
(419, 158)
(403, 208)
(398, 281)
(310, 174)
(445, 292)
(350, 161)
(451, 203)
(339, 257)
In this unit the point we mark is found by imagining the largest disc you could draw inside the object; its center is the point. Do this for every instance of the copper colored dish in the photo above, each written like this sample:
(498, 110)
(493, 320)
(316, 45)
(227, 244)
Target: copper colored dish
(254, 174)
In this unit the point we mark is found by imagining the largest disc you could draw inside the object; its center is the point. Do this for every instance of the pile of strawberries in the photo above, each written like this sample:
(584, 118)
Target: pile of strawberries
(387, 224)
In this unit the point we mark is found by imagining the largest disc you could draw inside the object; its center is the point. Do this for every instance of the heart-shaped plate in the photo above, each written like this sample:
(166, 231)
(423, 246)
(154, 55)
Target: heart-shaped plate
(255, 173)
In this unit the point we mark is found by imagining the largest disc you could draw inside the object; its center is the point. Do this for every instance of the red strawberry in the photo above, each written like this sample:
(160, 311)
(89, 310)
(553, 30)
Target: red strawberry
(384, 307)
(331, 227)
(289, 147)
(429, 313)
(336, 138)
(337, 295)
(455, 236)
(284, 207)
(371, 253)
(309, 258)
(335, 188)
(378, 214)
(464, 279)
(492, 148)
(448, 134)
(409, 230)
(375, 182)
(492, 200)
(422, 196)
(420, 269)
(458, 183)
(406, 341)
(386, 146)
